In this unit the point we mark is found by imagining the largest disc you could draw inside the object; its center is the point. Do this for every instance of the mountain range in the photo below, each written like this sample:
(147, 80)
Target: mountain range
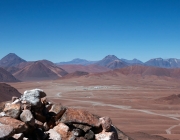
(14, 69)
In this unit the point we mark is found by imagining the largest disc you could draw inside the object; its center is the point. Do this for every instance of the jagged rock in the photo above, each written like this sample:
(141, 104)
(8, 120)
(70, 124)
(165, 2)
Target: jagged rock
(89, 135)
(25, 105)
(14, 98)
(33, 96)
(27, 117)
(121, 135)
(58, 110)
(19, 136)
(63, 130)
(12, 110)
(38, 116)
(53, 135)
(48, 107)
(77, 132)
(83, 127)
(6, 131)
(80, 116)
(106, 123)
(105, 136)
(18, 126)
(45, 126)
(3, 114)
(39, 124)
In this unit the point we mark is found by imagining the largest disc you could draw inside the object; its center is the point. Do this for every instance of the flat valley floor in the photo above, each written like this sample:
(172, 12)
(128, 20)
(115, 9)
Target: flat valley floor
(135, 104)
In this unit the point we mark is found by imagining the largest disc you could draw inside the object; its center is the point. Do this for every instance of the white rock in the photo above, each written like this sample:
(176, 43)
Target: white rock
(53, 135)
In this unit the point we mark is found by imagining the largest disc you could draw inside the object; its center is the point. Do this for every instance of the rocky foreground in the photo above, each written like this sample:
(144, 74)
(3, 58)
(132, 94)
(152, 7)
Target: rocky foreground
(32, 117)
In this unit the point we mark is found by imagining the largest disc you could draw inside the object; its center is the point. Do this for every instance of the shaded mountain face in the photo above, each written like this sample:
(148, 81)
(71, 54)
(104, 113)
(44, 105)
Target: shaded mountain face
(7, 91)
(164, 63)
(134, 61)
(112, 62)
(40, 70)
(6, 76)
(11, 60)
(77, 61)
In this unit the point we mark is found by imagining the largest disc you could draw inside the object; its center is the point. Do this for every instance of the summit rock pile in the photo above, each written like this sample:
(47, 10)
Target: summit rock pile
(32, 117)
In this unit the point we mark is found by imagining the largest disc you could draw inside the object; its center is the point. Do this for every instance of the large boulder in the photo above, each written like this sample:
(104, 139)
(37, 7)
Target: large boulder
(63, 130)
(34, 97)
(58, 110)
(18, 126)
(80, 116)
(12, 110)
(6, 131)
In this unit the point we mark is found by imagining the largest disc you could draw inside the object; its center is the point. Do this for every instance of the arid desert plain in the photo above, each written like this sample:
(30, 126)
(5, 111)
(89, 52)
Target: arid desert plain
(145, 108)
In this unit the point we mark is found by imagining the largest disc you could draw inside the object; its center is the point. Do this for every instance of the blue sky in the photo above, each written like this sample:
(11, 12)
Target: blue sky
(61, 30)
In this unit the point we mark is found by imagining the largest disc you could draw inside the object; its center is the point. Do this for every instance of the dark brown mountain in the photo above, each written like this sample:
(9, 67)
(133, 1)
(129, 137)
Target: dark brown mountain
(172, 99)
(112, 62)
(6, 76)
(87, 68)
(7, 91)
(11, 60)
(40, 70)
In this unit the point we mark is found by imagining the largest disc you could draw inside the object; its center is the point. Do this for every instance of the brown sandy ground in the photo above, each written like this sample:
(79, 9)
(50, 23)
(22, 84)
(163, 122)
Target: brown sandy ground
(130, 101)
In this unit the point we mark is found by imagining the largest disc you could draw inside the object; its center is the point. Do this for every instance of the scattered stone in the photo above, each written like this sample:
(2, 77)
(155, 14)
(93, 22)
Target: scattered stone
(58, 110)
(3, 114)
(79, 116)
(53, 135)
(45, 126)
(33, 96)
(63, 130)
(27, 117)
(77, 132)
(89, 135)
(105, 136)
(19, 136)
(14, 98)
(83, 127)
(12, 110)
(17, 125)
(39, 117)
(39, 124)
(106, 123)
(6, 131)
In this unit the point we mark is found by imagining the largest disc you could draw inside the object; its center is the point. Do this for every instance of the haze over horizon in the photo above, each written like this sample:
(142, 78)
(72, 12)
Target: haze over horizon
(64, 30)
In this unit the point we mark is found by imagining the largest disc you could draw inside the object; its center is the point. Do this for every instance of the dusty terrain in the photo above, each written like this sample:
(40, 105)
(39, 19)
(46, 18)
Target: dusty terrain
(133, 102)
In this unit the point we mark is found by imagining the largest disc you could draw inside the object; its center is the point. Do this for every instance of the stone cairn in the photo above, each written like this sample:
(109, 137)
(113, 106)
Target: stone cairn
(32, 117)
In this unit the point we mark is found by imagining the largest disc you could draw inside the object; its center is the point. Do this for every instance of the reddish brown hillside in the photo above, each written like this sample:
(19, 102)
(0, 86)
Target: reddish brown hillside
(7, 91)
(39, 70)
(5, 76)
(145, 70)
(76, 74)
(59, 71)
(35, 71)
(88, 68)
